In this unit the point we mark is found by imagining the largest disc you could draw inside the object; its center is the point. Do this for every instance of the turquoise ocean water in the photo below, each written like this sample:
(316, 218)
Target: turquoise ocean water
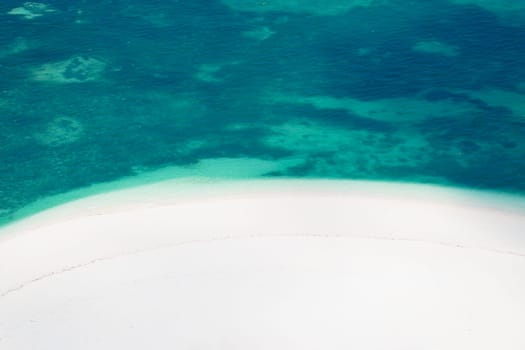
(92, 92)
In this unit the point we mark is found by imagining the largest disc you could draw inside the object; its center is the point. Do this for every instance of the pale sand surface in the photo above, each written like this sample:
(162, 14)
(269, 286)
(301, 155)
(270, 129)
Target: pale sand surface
(192, 264)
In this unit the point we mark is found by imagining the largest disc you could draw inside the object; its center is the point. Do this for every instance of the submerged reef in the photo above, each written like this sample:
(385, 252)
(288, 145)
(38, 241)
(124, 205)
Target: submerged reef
(60, 131)
(76, 69)
(436, 47)
(97, 92)
(30, 10)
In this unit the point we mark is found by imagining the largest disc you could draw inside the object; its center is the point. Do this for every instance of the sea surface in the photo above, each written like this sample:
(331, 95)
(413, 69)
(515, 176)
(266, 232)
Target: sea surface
(93, 92)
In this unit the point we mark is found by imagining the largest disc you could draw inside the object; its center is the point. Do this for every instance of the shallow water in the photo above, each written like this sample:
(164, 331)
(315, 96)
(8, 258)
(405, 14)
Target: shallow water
(92, 92)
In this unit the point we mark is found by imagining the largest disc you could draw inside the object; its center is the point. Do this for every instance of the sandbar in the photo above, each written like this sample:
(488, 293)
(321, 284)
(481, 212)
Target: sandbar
(267, 264)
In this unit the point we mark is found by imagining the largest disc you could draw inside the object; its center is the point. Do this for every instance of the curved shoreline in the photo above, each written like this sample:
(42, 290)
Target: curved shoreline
(464, 250)
(223, 172)
(137, 187)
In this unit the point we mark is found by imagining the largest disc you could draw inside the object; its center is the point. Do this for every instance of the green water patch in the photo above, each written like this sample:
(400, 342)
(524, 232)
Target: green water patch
(315, 7)
(509, 12)
(207, 170)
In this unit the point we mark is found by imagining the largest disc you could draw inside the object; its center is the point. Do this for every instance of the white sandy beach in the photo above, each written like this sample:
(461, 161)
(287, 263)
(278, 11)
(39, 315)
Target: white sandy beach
(267, 265)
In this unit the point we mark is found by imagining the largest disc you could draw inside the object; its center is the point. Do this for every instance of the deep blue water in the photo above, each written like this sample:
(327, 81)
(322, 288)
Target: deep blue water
(94, 91)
